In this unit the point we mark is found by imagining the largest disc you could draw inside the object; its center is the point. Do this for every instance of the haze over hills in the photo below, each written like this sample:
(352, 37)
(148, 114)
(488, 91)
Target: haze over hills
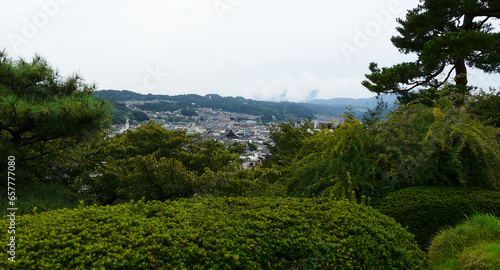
(360, 102)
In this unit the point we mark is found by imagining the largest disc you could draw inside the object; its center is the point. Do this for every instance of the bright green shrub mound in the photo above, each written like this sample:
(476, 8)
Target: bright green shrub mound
(475, 244)
(427, 210)
(215, 233)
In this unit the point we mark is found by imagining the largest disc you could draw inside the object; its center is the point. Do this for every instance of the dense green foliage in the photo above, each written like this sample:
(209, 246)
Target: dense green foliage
(454, 34)
(38, 198)
(286, 141)
(474, 244)
(41, 114)
(337, 163)
(126, 95)
(215, 233)
(417, 145)
(189, 111)
(238, 148)
(440, 145)
(486, 106)
(428, 164)
(121, 113)
(157, 164)
(427, 210)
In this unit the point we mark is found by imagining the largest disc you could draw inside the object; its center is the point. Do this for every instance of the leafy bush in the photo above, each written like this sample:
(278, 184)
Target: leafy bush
(487, 107)
(287, 140)
(441, 145)
(426, 210)
(214, 233)
(418, 145)
(156, 164)
(339, 163)
(475, 244)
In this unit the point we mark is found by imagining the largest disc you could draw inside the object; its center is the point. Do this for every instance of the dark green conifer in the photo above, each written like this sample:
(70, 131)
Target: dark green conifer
(448, 36)
(39, 109)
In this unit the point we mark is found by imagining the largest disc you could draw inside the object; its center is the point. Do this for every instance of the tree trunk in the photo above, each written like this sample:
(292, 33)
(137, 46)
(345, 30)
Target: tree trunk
(460, 72)
(460, 68)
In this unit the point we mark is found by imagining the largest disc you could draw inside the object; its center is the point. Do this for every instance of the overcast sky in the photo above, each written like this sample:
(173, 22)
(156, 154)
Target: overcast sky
(292, 50)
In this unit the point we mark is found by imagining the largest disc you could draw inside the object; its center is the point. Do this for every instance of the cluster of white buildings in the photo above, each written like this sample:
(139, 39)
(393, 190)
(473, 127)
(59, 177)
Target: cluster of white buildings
(222, 126)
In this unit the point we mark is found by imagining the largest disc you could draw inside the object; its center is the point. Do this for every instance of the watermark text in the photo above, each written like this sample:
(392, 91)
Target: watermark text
(32, 26)
(11, 210)
(363, 36)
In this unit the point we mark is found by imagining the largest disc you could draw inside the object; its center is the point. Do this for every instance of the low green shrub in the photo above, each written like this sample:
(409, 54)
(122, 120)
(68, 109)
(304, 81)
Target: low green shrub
(214, 233)
(474, 244)
(426, 210)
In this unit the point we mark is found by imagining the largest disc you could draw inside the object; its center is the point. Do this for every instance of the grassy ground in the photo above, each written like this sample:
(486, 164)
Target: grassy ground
(474, 244)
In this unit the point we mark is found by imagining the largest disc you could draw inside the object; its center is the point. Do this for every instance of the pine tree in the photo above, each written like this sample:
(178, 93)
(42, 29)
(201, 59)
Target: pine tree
(38, 107)
(448, 36)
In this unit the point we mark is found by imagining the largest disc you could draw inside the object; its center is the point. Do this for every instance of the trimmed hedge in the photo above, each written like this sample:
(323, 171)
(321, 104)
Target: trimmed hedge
(427, 210)
(215, 233)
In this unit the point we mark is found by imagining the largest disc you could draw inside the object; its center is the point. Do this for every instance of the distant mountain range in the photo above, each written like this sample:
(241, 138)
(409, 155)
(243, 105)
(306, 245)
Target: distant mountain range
(336, 106)
(266, 109)
(360, 102)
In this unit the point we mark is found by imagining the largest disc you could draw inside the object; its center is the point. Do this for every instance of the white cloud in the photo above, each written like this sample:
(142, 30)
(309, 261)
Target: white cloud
(182, 47)
(301, 88)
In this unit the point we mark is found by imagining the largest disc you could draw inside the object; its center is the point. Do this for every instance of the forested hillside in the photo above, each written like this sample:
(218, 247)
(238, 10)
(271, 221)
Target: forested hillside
(280, 111)
(121, 113)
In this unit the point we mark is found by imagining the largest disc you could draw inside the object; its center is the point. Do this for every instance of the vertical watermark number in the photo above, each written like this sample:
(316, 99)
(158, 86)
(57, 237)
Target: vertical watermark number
(11, 210)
